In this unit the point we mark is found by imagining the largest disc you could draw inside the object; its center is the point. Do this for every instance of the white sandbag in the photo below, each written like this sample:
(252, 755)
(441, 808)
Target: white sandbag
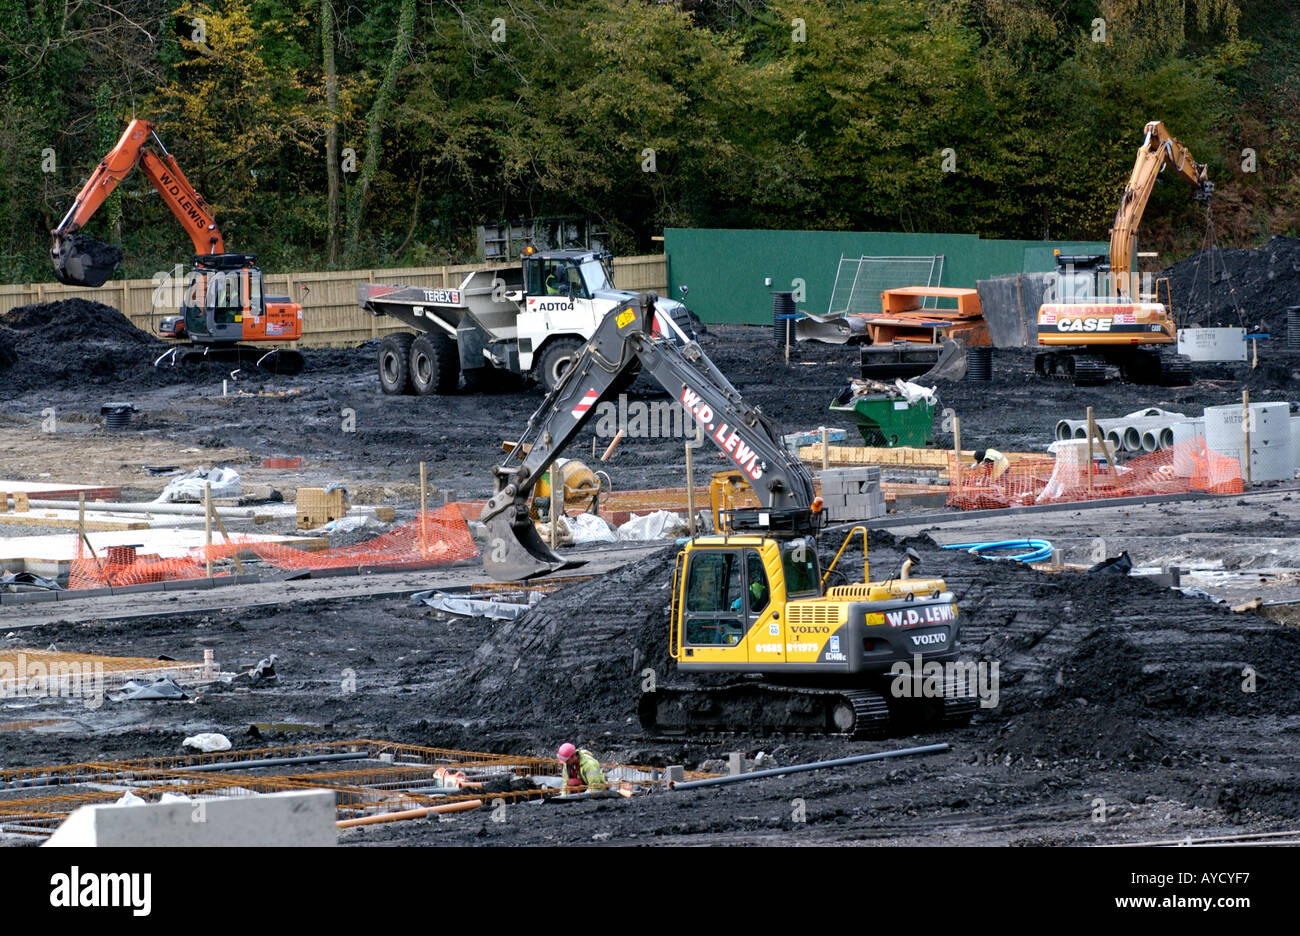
(589, 528)
(653, 526)
(189, 487)
(207, 742)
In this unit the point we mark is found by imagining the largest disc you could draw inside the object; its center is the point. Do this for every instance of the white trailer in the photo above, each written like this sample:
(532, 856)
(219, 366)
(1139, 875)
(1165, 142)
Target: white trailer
(529, 320)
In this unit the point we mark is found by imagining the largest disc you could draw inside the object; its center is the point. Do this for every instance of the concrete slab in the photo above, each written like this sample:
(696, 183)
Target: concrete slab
(304, 818)
(53, 490)
(95, 520)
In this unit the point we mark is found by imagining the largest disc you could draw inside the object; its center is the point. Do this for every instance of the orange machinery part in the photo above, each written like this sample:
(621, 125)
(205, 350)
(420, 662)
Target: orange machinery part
(903, 318)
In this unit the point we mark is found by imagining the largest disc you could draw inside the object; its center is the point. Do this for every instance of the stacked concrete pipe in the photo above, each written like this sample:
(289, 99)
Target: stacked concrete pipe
(1137, 433)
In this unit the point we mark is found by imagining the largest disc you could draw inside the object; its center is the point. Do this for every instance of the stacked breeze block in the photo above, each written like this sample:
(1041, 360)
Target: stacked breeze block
(852, 493)
(317, 507)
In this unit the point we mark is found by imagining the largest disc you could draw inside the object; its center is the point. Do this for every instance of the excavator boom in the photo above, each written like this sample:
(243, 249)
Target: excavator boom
(80, 260)
(621, 342)
(1157, 151)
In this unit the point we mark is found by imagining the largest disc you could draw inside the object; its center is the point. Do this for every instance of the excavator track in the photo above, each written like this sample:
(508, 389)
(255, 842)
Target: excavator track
(1089, 371)
(1176, 371)
(1084, 370)
(764, 708)
(284, 362)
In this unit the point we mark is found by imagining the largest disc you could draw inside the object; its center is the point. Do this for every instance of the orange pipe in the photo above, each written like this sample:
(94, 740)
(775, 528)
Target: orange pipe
(463, 806)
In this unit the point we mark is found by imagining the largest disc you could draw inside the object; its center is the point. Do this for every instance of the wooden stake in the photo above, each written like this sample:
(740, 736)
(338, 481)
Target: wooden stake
(613, 444)
(81, 516)
(557, 503)
(787, 342)
(207, 523)
(826, 448)
(424, 506)
(221, 525)
(1245, 437)
(955, 480)
(1092, 432)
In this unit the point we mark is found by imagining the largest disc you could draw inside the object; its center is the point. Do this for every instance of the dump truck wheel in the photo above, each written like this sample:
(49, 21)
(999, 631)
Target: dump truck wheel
(554, 361)
(395, 363)
(435, 364)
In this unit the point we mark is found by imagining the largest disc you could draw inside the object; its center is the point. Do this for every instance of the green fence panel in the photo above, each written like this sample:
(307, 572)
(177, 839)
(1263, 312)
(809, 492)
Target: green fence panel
(732, 274)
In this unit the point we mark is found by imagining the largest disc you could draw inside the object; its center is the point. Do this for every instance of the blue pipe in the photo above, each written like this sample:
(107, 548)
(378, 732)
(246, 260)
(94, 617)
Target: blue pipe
(1039, 550)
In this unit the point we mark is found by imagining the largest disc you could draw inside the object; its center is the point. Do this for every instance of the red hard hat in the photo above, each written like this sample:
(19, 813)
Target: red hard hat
(566, 751)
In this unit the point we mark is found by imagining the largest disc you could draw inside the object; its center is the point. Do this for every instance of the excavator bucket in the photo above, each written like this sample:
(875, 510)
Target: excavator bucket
(515, 550)
(951, 364)
(80, 260)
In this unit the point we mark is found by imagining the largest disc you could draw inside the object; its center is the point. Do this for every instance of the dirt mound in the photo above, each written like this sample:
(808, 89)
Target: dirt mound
(1115, 646)
(576, 658)
(1253, 286)
(1080, 733)
(73, 342)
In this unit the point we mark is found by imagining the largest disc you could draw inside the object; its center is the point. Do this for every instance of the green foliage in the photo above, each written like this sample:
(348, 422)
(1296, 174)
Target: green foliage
(785, 113)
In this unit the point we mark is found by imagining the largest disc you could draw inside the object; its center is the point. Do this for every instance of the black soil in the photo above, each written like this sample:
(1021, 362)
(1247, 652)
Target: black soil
(75, 342)
(1249, 287)
(1119, 690)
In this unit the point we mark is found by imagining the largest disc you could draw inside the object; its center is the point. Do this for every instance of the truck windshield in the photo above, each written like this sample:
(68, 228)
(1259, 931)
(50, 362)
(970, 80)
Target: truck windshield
(595, 276)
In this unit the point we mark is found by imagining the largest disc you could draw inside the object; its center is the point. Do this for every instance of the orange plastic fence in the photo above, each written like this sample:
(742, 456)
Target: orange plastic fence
(438, 536)
(1187, 466)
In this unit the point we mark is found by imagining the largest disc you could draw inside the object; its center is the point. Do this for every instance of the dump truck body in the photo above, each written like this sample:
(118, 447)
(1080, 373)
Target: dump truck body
(524, 319)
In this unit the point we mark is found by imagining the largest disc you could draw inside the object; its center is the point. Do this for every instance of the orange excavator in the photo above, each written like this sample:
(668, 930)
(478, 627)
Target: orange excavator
(224, 303)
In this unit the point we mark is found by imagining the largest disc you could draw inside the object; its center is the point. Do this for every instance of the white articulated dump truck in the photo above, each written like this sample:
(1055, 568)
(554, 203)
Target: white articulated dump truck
(529, 320)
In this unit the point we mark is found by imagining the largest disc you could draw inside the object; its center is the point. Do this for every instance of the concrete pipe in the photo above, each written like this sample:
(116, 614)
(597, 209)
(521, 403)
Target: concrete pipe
(1116, 439)
(1167, 437)
(1064, 430)
(1081, 431)
(1150, 440)
(1132, 437)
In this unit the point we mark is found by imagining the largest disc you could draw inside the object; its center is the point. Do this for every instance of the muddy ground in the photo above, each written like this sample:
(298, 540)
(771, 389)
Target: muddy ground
(1119, 698)
(1111, 690)
(335, 418)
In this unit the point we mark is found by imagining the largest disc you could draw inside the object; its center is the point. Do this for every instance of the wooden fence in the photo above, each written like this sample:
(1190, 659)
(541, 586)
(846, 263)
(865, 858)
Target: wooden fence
(330, 314)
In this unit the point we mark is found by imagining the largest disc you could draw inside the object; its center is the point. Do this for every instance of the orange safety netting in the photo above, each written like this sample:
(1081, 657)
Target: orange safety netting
(1185, 467)
(437, 537)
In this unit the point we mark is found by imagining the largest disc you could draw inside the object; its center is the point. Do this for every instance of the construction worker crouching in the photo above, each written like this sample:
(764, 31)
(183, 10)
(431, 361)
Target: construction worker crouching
(993, 458)
(581, 770)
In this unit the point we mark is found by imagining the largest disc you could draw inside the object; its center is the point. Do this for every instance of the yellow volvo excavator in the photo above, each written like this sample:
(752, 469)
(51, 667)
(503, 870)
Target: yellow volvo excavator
(752, 600)
(1095, 321)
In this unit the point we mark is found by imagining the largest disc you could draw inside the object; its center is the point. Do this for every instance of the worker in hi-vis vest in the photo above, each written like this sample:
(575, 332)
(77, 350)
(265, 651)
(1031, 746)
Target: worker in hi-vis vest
(581, 769)
(995, 459)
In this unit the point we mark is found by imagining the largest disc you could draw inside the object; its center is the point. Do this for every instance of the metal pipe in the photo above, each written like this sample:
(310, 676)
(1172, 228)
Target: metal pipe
(195, 510)
(274, 761)
(815, 765)
(421, 813)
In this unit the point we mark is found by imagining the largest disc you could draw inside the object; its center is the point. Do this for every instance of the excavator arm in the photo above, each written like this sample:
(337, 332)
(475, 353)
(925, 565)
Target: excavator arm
(621, 342)
(80, 260)
(1157, 151)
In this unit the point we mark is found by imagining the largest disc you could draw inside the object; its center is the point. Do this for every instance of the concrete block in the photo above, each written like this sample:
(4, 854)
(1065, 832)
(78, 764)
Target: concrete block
(187, 584)
(303, 818)
(134, 589)
(12, 598)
